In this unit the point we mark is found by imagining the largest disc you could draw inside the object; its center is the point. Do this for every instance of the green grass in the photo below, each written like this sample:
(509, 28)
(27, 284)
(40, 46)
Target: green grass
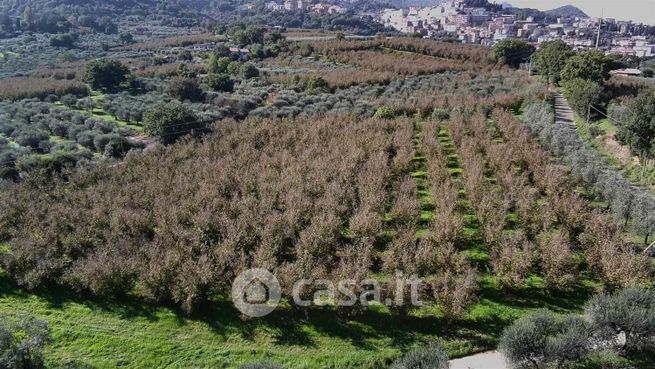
(132, 334)
(99, 113)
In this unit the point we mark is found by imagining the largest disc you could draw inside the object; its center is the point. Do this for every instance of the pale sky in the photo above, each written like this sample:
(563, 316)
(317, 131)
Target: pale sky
(640, 11)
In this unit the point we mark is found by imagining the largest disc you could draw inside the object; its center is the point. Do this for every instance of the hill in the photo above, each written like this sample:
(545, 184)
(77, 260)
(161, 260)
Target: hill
(567, 11)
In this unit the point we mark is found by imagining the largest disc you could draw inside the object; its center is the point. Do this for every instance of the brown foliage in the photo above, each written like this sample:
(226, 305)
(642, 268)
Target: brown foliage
(22, 88)
(179, 222)
(455, 284)
(556, 259)
(512, 261)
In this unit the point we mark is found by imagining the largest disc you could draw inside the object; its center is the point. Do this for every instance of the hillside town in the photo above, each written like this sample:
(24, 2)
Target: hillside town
(481, 26)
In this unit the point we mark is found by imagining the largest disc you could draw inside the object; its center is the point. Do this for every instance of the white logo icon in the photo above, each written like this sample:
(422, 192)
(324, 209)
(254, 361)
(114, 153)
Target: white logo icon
(256, 292)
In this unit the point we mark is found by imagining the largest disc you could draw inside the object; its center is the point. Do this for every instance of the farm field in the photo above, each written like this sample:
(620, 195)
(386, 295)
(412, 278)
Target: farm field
(130, 205)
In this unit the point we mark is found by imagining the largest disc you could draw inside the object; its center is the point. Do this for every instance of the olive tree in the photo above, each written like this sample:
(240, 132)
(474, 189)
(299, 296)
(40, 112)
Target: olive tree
(545, 340)
(625, 320)
(22, 341)
(429, 357)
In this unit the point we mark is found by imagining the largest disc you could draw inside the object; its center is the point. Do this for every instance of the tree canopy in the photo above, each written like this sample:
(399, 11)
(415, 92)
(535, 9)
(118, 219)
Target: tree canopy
(170, 121)
(512, 52)
(638, 132)
(592, 65)
(106, 74)
(551, 58)
(581, 93)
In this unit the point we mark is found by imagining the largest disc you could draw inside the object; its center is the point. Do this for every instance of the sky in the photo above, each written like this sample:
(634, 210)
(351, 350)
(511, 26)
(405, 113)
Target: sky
(640, 11)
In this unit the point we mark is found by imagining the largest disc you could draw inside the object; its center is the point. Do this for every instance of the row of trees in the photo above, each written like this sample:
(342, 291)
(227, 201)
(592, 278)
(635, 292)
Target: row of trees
(39, 135)
(628, 204)
(553, 225)
(206, 211)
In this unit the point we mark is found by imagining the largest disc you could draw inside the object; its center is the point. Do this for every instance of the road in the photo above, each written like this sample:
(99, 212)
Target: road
(484, 360)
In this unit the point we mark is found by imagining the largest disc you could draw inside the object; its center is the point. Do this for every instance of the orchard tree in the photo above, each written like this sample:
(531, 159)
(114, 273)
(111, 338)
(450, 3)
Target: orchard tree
(106, 74)
(581, 94)
(428, 357)
(545, 340)
(170, 121)
(551, 58)
(638, 131)
(591, 65)
(22, 341)
(218, 64)
(125, 38)
(630, 313)
(512, 52)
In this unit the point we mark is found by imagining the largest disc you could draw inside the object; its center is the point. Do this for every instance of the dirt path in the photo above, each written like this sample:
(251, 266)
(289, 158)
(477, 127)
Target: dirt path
(484, 360)
(563, 112)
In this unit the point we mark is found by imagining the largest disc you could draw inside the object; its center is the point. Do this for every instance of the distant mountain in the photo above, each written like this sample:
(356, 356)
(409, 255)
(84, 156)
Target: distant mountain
(507, 5)
(567, 11)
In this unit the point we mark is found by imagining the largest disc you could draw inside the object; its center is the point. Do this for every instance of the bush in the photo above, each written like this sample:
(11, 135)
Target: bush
(629, 313)
(220, 82)
(386, 112)
(545, 340)
(170, 121)
(183, 88)
(429, 357)
(22, 341)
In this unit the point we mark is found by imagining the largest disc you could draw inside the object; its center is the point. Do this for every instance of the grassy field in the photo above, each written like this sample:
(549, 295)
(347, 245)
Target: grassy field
(133, 334)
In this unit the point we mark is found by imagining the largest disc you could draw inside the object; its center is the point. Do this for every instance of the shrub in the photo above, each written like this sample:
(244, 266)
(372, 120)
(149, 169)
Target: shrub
(22, 341)
(429, 357)
(629, 313)
(386, 112)
(220, 82)
(545, 340)
(184, 88)
(170, 121)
